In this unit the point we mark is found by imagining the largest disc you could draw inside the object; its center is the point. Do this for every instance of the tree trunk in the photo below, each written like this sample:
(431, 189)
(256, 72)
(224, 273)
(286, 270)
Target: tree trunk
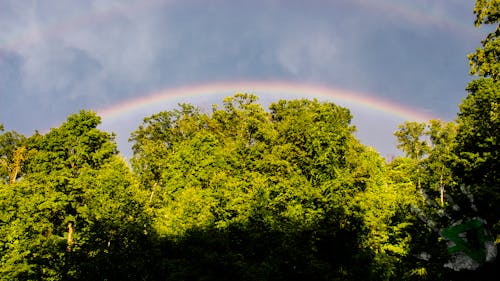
(441, 189)
(70, 236)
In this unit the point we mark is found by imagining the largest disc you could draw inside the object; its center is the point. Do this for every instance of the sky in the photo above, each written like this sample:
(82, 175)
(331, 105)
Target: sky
(389, 61)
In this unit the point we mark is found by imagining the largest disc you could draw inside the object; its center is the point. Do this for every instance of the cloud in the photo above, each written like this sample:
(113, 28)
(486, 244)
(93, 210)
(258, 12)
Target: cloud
(308, 53)
(58, 57)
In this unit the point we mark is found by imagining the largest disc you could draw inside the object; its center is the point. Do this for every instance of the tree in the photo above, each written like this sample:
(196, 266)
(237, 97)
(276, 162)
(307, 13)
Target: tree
(479, 122)
(153, 140)
(409, 136)
(485, 60)
(439, 174)
(318, 136)
(478, 146)
(76, 212)
(13, 154)
(256, 193)
(478, 134)
(411, 139)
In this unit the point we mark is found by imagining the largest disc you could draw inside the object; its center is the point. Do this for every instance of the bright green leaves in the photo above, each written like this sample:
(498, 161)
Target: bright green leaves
(76, 208)
(32, 235)
(288, 176)
(13, 155)
(485, 62)
(429, 146)
(478, 147)
(384, 206)
(109, 223)
(317, 135)
(478, 144)
(487, 11)
(238, 115)
(155, 138)
(465, 153)
(281, 193)
(76, 144)
(409, 136)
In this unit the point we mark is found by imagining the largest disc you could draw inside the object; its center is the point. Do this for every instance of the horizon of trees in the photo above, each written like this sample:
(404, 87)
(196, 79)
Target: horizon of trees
(248, 193)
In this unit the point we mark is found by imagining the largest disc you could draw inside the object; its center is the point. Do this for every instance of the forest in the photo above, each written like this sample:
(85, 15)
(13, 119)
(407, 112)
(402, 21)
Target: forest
(245, 192)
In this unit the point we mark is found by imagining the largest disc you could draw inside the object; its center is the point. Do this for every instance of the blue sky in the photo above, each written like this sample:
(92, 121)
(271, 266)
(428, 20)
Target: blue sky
(57, 57)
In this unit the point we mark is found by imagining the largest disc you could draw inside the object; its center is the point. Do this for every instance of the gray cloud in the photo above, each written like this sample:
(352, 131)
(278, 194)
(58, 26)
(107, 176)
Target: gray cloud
(58, 57)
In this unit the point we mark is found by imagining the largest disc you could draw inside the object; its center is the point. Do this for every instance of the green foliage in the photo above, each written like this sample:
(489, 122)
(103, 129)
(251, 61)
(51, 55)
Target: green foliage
(156, 136)
(76, 211)
(409, 136)
(478, 146)
(485, 60)
(318, 135)
(289, 193)
(12, 155)
(478, 135)
(244, 193)
(238, 193)
(446, 156)
(477, 149)
(429, 146)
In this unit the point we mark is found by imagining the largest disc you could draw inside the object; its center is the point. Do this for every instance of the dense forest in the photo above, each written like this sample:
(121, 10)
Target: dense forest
(251, 193)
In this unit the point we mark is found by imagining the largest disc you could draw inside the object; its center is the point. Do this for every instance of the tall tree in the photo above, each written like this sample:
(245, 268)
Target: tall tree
(478, 144)
(438, 165)
(410, 136)
(411, 139)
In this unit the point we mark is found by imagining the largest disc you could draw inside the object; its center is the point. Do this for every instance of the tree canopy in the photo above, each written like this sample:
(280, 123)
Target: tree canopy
(245, 192)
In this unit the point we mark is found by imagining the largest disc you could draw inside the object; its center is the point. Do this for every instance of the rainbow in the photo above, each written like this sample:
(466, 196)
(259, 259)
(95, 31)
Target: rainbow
(262, 88)
(409, 12)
